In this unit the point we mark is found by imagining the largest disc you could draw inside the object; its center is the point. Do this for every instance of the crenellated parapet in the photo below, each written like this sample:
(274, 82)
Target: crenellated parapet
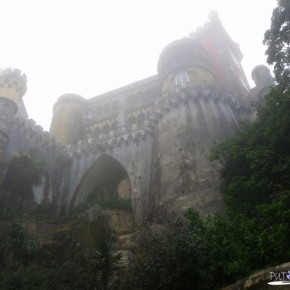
(103, 127)
(187, 122)
(34, 134)
(194, 93)
(143, 121)
(157, 132)
(12, 85)
(103, 142)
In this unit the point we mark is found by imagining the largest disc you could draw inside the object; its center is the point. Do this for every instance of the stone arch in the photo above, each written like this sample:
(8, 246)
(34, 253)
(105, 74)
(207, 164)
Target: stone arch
(105, 179)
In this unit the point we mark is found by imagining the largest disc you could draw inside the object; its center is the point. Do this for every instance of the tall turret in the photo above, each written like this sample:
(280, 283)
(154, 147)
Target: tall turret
(225, 55)
(182, 63)
(193, 113)
(67, 124)
(12, 89)
(262, 77)
(264, 82)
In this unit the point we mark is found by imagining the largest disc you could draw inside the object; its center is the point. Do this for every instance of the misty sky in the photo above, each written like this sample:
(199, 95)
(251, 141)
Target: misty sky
(88, 47)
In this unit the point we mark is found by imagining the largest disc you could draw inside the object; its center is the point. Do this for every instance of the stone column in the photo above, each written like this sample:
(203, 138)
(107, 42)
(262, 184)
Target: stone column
(12, 89)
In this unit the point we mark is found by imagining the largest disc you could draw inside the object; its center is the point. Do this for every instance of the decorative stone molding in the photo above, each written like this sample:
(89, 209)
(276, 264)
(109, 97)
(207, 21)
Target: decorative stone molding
(12, 84)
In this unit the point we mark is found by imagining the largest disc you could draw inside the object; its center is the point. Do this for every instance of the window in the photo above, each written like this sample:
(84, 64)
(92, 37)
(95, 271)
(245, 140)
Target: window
(181, 79)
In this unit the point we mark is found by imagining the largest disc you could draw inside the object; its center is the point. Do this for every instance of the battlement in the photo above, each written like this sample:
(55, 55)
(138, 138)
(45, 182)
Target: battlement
(40, 138)
(104, 142)
(142, 123)
(12, 84)
(147, 141)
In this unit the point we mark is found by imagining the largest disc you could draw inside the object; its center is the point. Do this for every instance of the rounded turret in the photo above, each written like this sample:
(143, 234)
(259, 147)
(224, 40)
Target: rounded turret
(12, 85)
(67, 124)
(182, 53)
(193, 114)
(184, 62)
(12, 89)
(214, 17)
(262, 77)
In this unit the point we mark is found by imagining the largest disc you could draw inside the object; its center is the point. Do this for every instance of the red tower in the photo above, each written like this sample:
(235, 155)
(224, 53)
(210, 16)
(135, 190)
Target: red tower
(225, 55)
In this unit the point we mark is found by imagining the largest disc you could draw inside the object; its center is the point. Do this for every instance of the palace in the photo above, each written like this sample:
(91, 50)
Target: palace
(146, 143)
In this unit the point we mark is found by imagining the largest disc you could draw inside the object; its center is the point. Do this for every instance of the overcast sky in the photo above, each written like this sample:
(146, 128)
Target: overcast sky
(89, 47)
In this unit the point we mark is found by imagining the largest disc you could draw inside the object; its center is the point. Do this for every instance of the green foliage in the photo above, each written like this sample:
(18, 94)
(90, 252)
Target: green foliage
(70, 275)
(19, 246)
(253, 233)
(277, 38)
(109, 202)
(104, 259)
(173, 256)
(23, 173)
(31, 277)
(232, 242)
(114, 203)
(241, 244)
(83, 257)
(11, 279)
(256, 162)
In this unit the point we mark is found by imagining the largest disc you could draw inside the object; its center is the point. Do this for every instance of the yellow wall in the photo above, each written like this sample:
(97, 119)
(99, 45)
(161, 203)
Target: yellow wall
(67, 123)
(197, 76)
(10, 94)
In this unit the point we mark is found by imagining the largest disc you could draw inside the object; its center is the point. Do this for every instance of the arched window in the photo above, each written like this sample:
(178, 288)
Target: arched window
(181, 79)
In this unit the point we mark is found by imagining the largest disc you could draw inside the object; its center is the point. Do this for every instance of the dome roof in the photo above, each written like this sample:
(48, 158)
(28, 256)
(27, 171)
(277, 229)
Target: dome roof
(262, 77)
(182, 53)
(71, 98)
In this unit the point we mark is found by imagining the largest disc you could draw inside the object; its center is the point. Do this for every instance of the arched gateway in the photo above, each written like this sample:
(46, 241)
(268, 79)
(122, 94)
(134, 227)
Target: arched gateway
(106, 179)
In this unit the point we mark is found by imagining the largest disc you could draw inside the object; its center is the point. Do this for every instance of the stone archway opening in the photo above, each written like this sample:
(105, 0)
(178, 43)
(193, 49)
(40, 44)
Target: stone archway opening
(106, 180)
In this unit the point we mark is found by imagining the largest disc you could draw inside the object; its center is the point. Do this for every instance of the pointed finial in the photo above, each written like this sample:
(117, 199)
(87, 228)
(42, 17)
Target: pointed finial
(214, 16)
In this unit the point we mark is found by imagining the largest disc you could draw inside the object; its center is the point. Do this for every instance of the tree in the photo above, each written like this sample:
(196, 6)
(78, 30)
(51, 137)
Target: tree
(254, 231)
(277, 38)
(23, 173)
(255, 174)
(172, 256)
(256, 162)
(19, 246)
(104, 259)
(15, 242)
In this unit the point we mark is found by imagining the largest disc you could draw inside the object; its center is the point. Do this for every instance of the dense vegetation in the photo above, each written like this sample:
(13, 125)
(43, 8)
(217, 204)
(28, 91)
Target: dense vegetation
(24, 172)
(81, 257)
(277, 39)
(253, 233)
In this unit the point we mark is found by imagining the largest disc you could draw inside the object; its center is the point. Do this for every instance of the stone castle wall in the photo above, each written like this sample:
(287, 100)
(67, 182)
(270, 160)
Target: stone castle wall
(149, 141)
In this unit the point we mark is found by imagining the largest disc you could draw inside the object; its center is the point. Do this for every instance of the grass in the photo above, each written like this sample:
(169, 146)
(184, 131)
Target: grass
(112, 202)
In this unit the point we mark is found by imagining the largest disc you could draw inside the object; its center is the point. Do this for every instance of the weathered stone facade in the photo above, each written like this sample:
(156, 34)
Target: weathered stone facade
(147, 142)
